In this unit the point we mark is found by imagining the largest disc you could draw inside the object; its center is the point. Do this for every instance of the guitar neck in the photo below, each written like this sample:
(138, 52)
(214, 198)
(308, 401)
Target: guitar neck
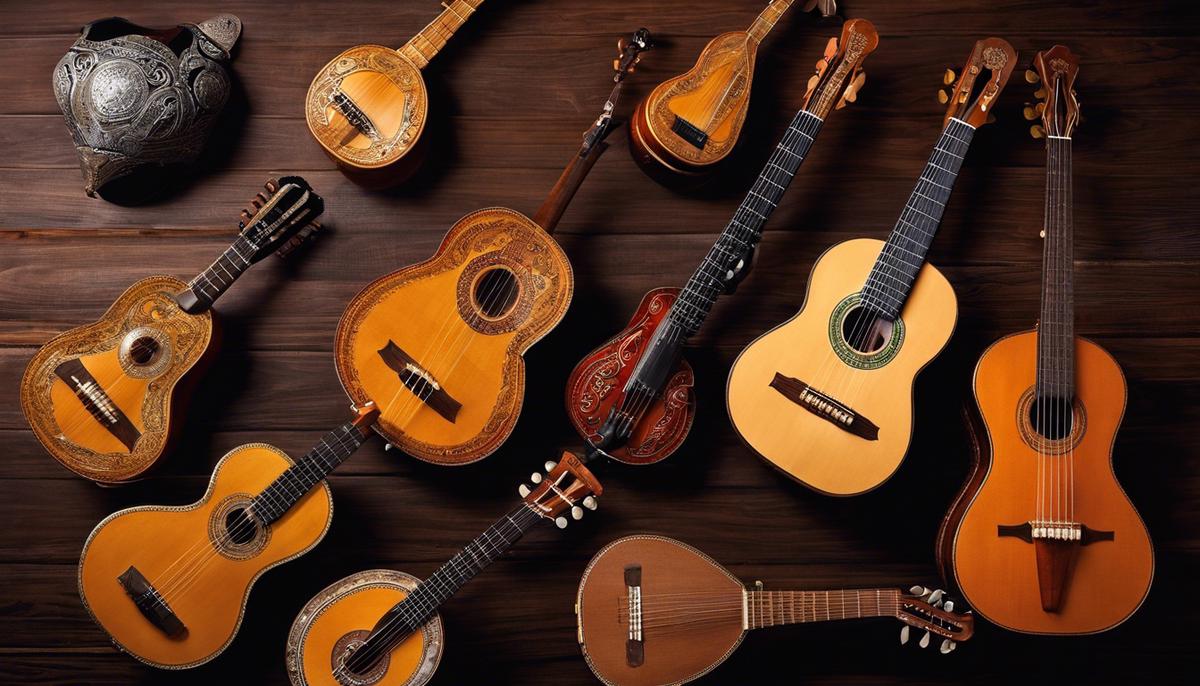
(430, 40)
(767, 19)
(901, 259)
(1056, 326)
(211, 283)
(744, 230)
(288, 488)
(775, 608)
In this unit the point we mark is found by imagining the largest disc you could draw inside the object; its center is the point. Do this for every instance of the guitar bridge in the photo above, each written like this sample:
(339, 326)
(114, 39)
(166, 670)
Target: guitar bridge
(825, 407)
(97, 402)
(689, 132)
(635, 648)
(1055, 546)
(150, 603)
(354, 114)
(418, 380)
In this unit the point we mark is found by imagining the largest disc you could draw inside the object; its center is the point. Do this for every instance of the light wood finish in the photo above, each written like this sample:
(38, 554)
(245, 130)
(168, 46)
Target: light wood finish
(806, 447)
(58, 416)
(998, 575)
(161, 541)
(421, 309)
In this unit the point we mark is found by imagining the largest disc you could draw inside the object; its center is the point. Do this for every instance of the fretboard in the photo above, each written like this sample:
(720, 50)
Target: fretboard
(901, 259)
(219, 276)
(745, 229)
(288, 488)
(430, 40)
(773, 608)
(767, 19)
(1056, 326)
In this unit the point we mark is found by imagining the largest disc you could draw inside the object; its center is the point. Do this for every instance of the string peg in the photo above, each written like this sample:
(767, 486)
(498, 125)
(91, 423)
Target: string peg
(523, 490)
(917, 590)
(387, 447)
(271, 185)
(1037, 131)
(904, 630)
(812, 82)
(1031, 76)
(947, 646)
(576, 512)
(1040, 94)
(590, 503)
(949, 77)
(942, 96)
(561, 522)
(536, 478)
(851, 92)
(1030, 112)
(948, 606)
(924, 642)
(550, 465)
(935, 596)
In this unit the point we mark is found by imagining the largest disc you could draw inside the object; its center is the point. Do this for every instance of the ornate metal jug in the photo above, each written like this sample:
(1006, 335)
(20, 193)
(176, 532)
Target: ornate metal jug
(139, 100)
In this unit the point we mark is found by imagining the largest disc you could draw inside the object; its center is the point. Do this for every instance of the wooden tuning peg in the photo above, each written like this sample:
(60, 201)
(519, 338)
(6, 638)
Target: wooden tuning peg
(1031, 76)
(851, 92)
(943, 96)
(616, 65)
(246, 215)
(949, 77)
(1029, 112)
(1040, 93)
(271, 185)
(831, 49)
(812, 82)
(1037, 131)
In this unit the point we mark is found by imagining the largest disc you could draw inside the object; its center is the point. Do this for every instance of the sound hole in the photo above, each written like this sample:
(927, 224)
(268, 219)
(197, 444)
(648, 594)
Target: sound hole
(363, 671)
(240, 526)
(1053, 418)
(495, 292)
(865, 331)
(144, 350)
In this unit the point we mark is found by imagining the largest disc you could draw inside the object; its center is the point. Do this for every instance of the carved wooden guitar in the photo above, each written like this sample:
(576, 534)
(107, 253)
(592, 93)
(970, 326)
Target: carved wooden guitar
(438, 345)
(368, 107)
(826, 396)
(169, 584)
(652, 611)
(691, 122)
(1042, 539)
(632, 397)
(101, 397)
(381, 627)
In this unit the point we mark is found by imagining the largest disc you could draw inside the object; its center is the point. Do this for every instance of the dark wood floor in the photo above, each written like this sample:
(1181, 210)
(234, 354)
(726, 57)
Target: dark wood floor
(510, 97)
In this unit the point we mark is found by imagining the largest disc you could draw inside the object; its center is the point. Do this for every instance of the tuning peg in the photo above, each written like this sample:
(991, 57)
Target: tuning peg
(523, 490)
(812, 83)
(550, 465)
(918, 590)
(271, 185)
(536, 478)
(1037, 131)
(935, 596)
(924, 642)
(943, 97)
(387, 447)
(1040, 93)
(302, 236)
(617, 63)
(948, 606)
(949, 77)
(904, 634)
(590, 502)
(561, 522)
(1031, 76)
(851, 92)
(576, 512)
(947, 646)
(1030, 112)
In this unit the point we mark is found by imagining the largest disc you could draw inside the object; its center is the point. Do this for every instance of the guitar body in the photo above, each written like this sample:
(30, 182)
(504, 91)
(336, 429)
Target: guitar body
(998, 575)
(203, 572)
(596, 384)
(136, 355)
(691, 122)
(812, 348)
(462, 319)
(342, 614)
(669, 571)
(367, 108)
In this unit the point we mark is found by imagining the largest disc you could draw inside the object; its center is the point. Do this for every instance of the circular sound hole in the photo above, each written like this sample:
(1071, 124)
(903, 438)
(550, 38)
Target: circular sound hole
(351, 671)
(240, 526)
(865, 331)
(144, 350)
(1052, 418)
(495, 292)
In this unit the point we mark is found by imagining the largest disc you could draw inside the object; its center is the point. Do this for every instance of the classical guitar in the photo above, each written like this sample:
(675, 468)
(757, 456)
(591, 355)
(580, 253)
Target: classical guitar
(100, 397)
(826, 396)
(1042, 539)
(632, 396)
(368, 107)
(169, 584)
(652, 611)
(438, 345)
(691, 122)
(381, 627)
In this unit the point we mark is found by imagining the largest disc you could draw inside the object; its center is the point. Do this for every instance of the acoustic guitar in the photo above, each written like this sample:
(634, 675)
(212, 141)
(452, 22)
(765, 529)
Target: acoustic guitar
(381, 627)
(101, 397)
(826, 396)
(439, 345)
(691, 122)
(1042, 539)
(368, 107)
(632, 397)
(652, 611)
(169, 584)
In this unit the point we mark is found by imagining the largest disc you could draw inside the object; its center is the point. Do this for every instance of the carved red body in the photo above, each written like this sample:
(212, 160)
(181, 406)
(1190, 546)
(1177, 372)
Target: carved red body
(597, 382)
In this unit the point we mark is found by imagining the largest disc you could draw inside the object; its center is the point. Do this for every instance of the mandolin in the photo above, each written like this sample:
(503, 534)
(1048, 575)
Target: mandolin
(169, 584)
(826, 397)
(368, 107)
(632, 396)
(381, 627)
(652, 611)
(439, 345)
(101, 397)
(691, 122)
(1042, 539)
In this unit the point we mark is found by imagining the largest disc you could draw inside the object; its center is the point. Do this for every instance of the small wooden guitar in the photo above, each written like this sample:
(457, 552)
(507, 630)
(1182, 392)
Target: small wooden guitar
(691, 122)
(1042, 538)
(100, 397)
(827, 396)
(438, 345)
(381, 627)
(170, 584)
(368, 107)
(653, 611)
(632, 397)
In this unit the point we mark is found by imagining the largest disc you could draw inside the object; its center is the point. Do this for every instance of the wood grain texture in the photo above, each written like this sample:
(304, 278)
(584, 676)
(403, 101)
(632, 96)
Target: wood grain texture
(513, 92)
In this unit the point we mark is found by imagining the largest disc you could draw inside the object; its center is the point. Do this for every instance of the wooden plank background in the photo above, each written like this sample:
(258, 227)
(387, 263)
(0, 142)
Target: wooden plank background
(510, 97)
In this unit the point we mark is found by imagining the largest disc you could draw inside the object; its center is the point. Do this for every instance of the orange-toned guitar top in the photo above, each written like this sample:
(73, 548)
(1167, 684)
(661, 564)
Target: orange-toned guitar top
(1042, 539)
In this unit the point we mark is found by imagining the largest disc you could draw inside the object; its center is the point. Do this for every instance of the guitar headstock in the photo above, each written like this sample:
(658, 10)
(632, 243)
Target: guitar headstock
(969, 101)
(839, 74)
(929, 609)
(565, 489)
(282, 219)
(1055, 69)
(629, 53)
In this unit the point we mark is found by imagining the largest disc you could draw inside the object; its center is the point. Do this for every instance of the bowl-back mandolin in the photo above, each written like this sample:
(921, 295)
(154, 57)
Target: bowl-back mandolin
(101, 397)
(1042, 539)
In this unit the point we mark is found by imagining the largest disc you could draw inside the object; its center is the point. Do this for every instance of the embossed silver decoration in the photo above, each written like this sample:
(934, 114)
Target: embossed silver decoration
(133, 101)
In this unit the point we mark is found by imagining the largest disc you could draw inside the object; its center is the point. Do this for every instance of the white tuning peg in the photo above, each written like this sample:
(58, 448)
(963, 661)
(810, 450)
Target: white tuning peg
(523, 490)
(917, 590)
(536, 478)
(904, 634)
(561, 522)
(550, 465)
(576, 512)
(387, 446)
(935, 596)
(590, 502)
(948, 606)
(924, 642)
(946, 647)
